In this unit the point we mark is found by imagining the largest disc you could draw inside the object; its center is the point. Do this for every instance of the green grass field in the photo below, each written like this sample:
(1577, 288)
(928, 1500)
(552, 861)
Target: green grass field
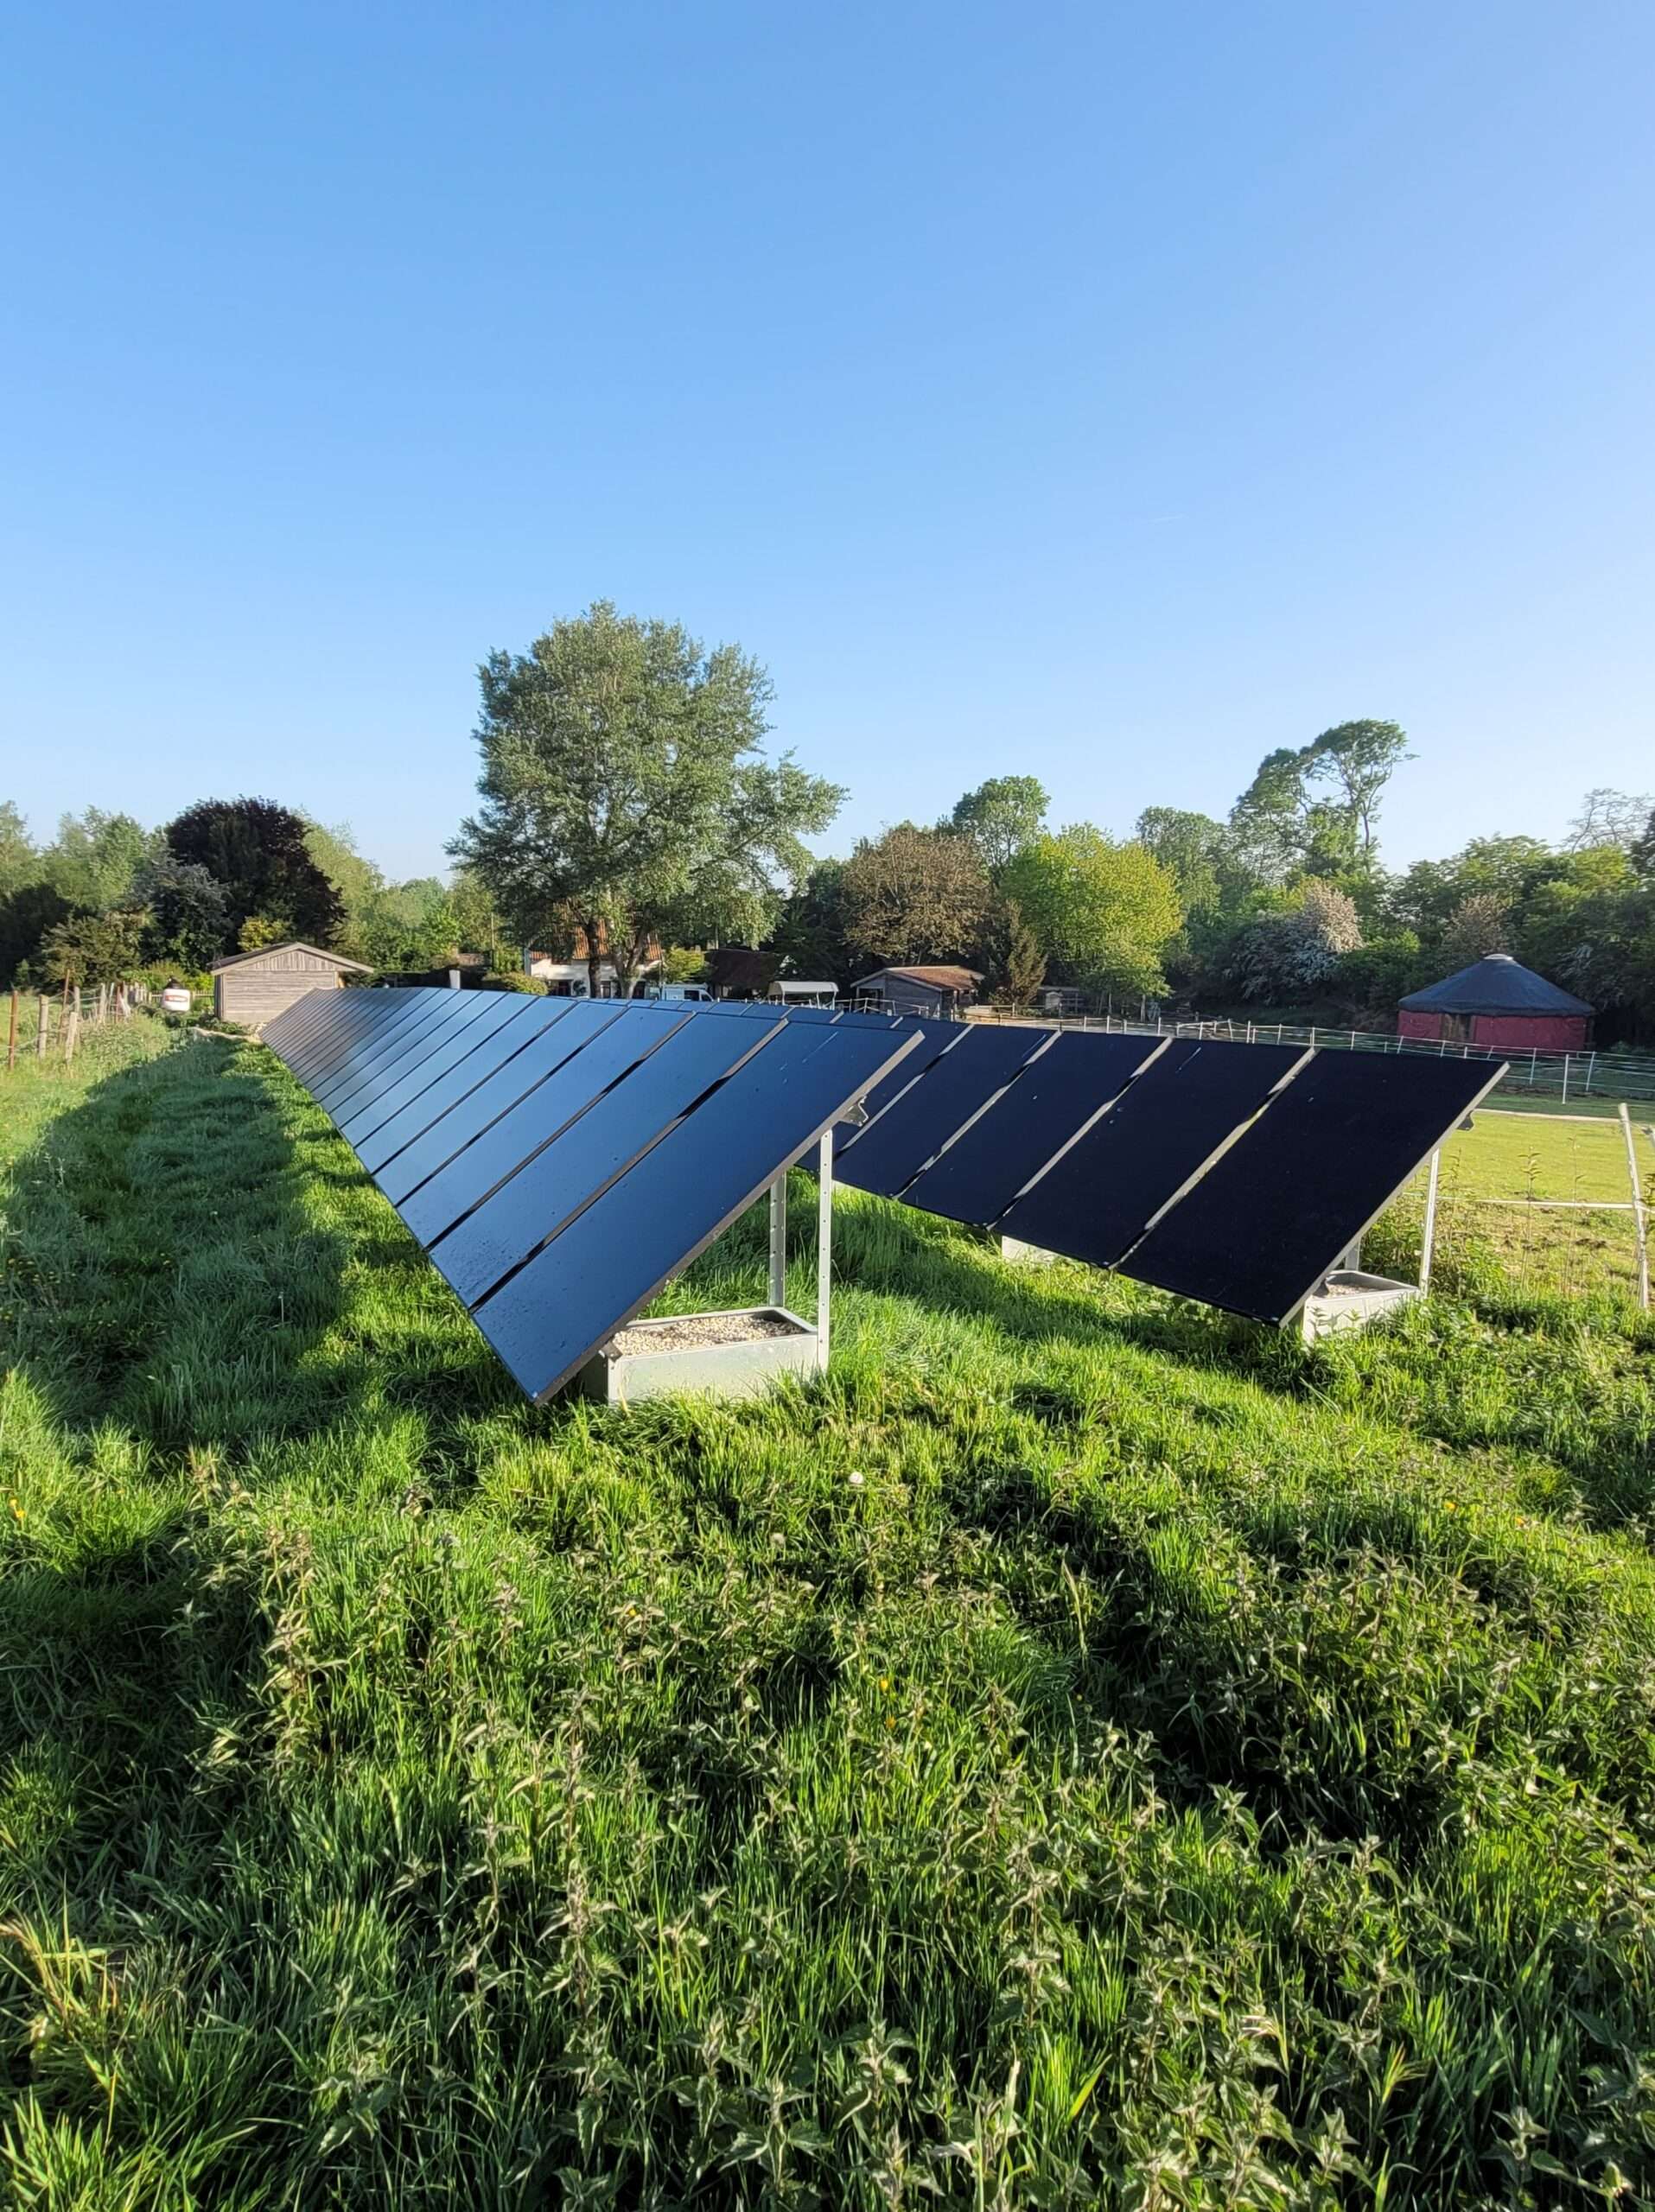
(1185, 1771)
(1527, 1163)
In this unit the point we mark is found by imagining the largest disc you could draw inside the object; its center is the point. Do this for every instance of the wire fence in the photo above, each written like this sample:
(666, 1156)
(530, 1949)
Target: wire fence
(51, 1025)
(1561, 1076)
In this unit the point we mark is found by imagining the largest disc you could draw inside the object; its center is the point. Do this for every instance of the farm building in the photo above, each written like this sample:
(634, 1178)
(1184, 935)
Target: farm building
(920, 990)
(253, 987)
(1498, 1001)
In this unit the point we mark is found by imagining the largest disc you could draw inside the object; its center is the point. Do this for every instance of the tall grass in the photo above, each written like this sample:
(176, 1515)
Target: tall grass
(1185, 1770)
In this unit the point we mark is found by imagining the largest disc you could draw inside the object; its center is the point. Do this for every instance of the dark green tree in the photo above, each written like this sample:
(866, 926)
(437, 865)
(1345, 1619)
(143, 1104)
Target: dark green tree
(259, 851)
(26, 915)
(623, 785)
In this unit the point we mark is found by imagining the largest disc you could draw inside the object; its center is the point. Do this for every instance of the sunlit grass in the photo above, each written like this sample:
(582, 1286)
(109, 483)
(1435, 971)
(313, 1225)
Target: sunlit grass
(1185, 1771)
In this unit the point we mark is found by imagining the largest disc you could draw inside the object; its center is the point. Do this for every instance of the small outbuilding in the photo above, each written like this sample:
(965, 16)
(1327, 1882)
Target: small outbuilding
(253, 987)
(920, 990)
(1498, 1001)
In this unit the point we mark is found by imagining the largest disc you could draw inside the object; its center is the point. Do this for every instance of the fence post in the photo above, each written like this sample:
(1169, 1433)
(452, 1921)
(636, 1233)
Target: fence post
(1639, 1220)
(1565, 1078)
(1313, 1036)
(12, 1041)
(42, 1026)
(71, 1029)
(1591, 1069)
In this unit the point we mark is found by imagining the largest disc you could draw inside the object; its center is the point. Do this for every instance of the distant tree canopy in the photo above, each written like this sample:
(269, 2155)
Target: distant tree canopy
(623, 784)
(1000, 816)
(258, 851)
(915, 895)
(1103, 912)
(1316, 810)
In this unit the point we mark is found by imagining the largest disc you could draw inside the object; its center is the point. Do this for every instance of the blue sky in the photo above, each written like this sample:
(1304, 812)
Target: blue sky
(1107, 393)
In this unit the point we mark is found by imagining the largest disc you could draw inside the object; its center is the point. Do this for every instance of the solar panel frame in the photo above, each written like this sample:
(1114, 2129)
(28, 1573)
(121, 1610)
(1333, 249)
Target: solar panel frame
(296, 1020)
(936, 1038)
(1183, 1252)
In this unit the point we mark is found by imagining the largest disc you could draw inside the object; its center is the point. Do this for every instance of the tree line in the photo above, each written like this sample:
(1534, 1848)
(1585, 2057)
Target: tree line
(107, 901)
(627, 809)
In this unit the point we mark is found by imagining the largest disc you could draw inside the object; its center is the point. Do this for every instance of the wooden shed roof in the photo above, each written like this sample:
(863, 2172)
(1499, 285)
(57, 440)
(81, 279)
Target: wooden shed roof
(289, 944)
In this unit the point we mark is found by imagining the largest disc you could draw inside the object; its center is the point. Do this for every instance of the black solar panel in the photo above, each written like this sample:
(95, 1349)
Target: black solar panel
(499, 1011)
(493, 1053)
(372, 1066)
(936, 1038)
(1267, 1220)
(382, 1013)
(594, 1277)
(920, 1121)
(284, 1029)
(1054, 1095)
(470, 1116)
(602, 1143)
(352, 1015)
(502, 1149)
(1095, 1201)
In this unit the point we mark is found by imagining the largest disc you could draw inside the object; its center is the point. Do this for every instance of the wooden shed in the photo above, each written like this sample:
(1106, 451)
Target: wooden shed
(934, 990)
(253, 987)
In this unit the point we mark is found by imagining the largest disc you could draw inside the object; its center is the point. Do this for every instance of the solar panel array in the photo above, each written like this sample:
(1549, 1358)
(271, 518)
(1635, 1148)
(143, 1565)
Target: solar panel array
(560, 1159)
(1235, 1174)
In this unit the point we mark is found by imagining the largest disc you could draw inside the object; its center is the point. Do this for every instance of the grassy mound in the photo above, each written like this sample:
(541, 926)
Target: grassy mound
(1182, 1770)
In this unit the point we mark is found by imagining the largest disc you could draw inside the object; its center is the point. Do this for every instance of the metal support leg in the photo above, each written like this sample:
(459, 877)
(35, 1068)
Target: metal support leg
(1429, 1244)
(779, 1240)
(823, 1248)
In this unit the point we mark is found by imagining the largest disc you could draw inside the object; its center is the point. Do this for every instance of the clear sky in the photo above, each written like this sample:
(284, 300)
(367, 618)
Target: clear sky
(1109, 393)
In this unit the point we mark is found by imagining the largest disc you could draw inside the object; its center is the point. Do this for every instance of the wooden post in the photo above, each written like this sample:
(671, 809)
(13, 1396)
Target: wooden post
(1640, 1223)
(12, 1041)
(42, 1026)
(72, 1028)
(1428, 1245)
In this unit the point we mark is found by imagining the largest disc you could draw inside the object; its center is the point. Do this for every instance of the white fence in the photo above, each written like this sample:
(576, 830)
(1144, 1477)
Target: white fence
(1561, 1076)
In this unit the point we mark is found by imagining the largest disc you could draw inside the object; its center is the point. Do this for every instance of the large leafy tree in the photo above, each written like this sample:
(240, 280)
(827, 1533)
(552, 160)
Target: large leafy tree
(623, 788)
(915, 895)
(1104, 912)
(1316, 810)
(96, 858)
(259, 852)
(1000, 816)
